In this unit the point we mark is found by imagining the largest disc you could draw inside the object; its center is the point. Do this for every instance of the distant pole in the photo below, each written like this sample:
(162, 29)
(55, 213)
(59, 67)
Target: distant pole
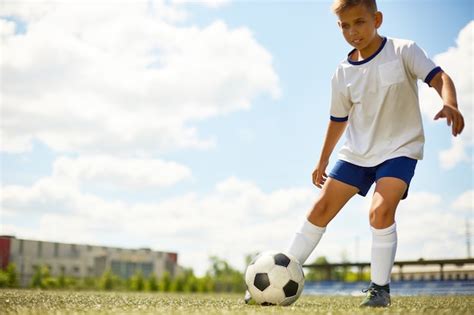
(468, 238)
(356, 251)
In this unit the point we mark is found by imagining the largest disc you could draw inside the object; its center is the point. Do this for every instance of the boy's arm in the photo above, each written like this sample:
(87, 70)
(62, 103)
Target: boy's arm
(333, 134)
(443, 84)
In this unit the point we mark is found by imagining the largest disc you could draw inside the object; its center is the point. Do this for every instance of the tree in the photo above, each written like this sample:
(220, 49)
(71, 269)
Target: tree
(62, 280)
(205, 284)
(226, 278)
(319, 274)
(106, 281)
(152, 283)
(40, 277)
(12, 276)
(165, 282)
(343, 272)
(137, 283)
(3, 279)
(177, 284)
(191, 283)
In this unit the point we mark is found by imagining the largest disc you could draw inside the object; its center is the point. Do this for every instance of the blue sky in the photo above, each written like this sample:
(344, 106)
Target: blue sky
(226, 128)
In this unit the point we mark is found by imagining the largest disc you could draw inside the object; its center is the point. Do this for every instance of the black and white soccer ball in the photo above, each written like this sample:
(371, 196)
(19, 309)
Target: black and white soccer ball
(274, 278)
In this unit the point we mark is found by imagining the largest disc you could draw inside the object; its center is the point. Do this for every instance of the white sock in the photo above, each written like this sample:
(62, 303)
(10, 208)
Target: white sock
(305, 240)
(384, 247)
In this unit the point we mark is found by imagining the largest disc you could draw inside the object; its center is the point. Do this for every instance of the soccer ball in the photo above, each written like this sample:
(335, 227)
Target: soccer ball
(274, 278)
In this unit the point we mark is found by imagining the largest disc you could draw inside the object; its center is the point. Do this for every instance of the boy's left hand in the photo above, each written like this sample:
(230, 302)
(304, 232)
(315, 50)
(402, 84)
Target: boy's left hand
(453, 117)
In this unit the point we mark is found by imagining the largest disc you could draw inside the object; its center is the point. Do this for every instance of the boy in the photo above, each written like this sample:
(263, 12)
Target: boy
(374, 94)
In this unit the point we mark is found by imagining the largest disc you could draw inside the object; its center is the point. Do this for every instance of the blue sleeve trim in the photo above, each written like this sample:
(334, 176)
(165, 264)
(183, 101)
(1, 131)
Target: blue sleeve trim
(339, 119)
(431, 75)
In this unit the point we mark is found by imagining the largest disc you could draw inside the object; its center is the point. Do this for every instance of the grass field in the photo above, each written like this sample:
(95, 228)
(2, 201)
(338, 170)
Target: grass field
(64, 302)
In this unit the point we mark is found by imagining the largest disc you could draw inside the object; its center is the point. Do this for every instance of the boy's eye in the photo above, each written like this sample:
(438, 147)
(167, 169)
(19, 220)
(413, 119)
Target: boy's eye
(360, 22)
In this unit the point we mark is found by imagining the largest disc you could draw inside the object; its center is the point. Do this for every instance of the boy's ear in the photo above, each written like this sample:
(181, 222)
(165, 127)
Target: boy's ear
(378, 19)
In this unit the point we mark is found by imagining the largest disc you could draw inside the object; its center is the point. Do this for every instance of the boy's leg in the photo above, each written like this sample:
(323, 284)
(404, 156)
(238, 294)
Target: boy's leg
(388, 193)
(334, 195)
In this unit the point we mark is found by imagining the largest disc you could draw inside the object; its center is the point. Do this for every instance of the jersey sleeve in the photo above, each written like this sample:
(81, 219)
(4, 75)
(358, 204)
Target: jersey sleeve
(340, 101)
(418, 63)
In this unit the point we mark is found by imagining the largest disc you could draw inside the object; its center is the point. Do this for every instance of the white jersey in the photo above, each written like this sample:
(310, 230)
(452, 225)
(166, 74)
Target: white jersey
(379, 98)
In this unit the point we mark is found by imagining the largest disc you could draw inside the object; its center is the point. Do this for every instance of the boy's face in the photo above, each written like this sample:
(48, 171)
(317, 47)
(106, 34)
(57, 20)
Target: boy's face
(359, 26)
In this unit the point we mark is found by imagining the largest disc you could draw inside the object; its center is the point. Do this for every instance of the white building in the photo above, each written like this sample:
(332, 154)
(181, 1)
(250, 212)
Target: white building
(80, 261)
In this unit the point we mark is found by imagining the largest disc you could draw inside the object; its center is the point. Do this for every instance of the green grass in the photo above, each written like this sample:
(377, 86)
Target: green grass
(66, 302)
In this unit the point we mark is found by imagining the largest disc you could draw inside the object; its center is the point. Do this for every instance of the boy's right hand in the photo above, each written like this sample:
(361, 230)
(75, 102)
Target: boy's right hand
(319, 173)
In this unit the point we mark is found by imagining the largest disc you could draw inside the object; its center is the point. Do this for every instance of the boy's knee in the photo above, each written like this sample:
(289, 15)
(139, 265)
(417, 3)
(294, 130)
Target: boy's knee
(381, 216)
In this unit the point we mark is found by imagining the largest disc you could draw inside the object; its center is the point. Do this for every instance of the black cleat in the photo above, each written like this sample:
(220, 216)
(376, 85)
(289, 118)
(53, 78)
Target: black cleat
(377, 296)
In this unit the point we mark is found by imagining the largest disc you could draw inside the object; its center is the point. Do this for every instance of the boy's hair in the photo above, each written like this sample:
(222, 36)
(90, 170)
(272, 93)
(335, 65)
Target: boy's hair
(340, 5)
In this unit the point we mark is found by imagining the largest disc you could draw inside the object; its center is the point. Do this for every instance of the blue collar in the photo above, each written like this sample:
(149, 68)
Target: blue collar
(356, 63)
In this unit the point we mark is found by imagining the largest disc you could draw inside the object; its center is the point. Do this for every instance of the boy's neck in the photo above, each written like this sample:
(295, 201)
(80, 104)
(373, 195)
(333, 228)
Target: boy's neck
(368, 51)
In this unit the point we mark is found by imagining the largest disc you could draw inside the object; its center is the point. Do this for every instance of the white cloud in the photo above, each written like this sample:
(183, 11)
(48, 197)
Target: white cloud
(458, 63)
(7, 28)
(34, 10)
(30, 10)
(465, 203)
(128, 173)
(123, 79)
(61, 192)
(457, 153)
(209, 3)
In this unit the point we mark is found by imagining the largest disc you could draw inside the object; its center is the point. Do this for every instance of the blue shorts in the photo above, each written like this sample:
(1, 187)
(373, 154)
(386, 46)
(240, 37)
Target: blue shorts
(363, 177)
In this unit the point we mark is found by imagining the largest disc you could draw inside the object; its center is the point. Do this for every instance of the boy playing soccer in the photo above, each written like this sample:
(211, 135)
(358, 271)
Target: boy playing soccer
(374, 95)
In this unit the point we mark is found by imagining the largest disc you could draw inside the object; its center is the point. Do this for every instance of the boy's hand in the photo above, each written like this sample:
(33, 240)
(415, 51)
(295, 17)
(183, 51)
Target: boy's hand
(319, 174)
(453, 117)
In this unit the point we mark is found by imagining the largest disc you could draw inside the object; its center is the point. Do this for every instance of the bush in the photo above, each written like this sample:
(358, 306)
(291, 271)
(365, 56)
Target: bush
(9, 277)
(62, 281)
(152, 283)
(190, 284)
(137, 283)
(165, 282)
(3, 279)
(205, 284)
(225, 278)
(12, 276)
(108, 281)
(40, 277)
(177, 284)
(50, 283)
(220, 278)
(87, 283)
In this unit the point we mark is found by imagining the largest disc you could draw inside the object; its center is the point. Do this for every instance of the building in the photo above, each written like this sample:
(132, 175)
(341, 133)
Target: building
(433, 272)
(81, 261)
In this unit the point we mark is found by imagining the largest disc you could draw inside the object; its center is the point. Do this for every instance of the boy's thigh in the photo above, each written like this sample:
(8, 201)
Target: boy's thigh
(334, 195)
(399, 169)
(337, 192)
(388, 193)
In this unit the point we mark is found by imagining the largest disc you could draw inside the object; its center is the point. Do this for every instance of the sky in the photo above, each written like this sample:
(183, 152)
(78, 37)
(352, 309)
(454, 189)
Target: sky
(194, 126)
